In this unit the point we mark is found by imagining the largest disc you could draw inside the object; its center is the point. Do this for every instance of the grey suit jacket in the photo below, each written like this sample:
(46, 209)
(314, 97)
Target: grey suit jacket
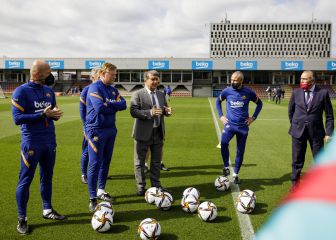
(140, 109)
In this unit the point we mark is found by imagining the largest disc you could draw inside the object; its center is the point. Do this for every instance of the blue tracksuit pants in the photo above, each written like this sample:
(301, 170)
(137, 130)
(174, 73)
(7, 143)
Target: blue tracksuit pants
(85, 156)
(228, 132)
(31, 155)
(101, 144)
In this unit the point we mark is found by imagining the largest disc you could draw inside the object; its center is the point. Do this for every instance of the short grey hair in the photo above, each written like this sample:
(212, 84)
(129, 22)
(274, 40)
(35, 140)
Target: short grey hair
(311, 73)
(151, 72)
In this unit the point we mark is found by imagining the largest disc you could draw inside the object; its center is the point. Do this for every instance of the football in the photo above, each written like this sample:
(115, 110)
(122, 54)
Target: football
(164, 200)
(149, 228)
(222, 183)
(207, 211)
(246, 201)
(106, 206)
(192, 191)
(151, 194)
(102, 221)
(189, 203)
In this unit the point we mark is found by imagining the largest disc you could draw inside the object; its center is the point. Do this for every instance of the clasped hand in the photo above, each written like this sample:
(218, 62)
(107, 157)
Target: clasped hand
(54, 113)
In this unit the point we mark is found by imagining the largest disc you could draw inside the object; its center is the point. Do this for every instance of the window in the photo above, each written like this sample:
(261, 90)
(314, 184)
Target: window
(166, 76)
(124, 77)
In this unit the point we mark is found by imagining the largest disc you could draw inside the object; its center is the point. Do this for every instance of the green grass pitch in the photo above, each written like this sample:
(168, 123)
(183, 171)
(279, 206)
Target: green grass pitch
(190, 151)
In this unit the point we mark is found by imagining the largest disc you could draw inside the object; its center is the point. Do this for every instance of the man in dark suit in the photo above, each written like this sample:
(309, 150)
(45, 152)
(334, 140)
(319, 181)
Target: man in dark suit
(305, 112)
(148, 107)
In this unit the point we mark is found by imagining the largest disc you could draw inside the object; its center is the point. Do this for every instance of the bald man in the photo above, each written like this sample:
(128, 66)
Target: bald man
(34, 109)
(305, 112)
(237, 120)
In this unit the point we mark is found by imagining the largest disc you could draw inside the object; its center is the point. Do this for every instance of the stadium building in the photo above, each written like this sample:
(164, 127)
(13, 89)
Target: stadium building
(268, 54)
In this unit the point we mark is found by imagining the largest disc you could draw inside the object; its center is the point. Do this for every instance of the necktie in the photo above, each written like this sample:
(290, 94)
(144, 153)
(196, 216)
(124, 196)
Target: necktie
(309, 98)
(156, 119)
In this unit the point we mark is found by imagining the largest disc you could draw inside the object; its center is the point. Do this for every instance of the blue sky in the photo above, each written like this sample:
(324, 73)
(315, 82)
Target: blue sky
(133, 28)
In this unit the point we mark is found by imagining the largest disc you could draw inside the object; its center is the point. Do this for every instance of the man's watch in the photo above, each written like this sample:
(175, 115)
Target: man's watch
(43, 115)
(254, 118)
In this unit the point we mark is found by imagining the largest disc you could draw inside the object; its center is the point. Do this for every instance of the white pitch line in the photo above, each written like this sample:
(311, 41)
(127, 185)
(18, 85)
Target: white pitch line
(244, 220)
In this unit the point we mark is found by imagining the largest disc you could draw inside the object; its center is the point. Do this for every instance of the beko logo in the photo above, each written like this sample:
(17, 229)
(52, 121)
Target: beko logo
(14, 64)
(95, 64)
(42, 104)
(246, 65)
(236, 104)
(159, 64)
(196, 65)
(291, 65)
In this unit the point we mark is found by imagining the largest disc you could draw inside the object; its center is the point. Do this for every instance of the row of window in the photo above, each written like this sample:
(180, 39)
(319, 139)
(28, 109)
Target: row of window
(293, 47)
(123, 76)
(165, 76)
(281, 26)
(272, 40)
(270, 47)
(317, 54)
(271, 34)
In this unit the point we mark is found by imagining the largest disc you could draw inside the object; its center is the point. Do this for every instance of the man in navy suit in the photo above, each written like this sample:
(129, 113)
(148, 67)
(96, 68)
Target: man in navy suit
(305, 112)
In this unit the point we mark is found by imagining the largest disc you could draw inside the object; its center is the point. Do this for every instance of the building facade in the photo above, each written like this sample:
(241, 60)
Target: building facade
(272, 40)
(199, 76)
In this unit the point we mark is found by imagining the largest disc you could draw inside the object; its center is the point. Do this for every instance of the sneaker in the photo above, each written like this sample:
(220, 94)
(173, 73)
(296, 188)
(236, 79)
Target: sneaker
(84, 179)
(164, 168)
(22, 226)
(141, 192)
(93, 205)
(226, 172)
(236, 180)
(162, 189)
(54, 215)
(105, 197)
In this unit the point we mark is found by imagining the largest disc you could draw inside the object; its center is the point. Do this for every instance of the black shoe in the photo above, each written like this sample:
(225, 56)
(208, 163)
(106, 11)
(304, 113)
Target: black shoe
(22, 226)
(93, 205)
(141, 192)
(84, 179)
(105, 197)
(54, 215)
(226, 172)
(162, 189)
(236, 180)
(164, 168)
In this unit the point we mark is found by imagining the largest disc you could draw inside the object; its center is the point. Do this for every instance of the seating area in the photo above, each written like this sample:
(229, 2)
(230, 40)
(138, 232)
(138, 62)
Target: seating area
(9, 87)
(73, 89)
(181, 94)
(260, 90)
(331, 90)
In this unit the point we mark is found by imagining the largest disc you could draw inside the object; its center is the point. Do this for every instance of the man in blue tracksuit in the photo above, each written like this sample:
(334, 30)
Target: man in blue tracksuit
(167, 92)
(82, 112)
(237, 120)
(102, 102)
(34, 109)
